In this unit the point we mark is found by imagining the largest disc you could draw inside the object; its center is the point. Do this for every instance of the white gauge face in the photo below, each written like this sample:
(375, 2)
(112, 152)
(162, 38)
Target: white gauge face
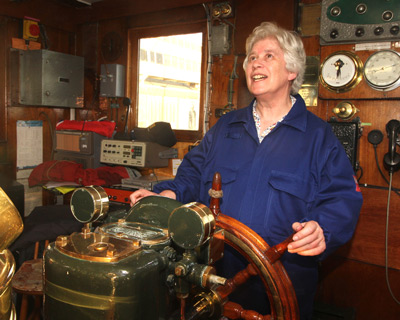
(382, 70)
(339, 70)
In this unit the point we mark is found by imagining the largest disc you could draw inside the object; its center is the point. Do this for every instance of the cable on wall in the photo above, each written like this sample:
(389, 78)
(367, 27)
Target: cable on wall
(387, 240)
(209, 65)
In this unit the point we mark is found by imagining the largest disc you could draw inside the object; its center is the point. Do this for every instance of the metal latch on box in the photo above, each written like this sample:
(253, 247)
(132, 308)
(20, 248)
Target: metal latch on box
(168, 154)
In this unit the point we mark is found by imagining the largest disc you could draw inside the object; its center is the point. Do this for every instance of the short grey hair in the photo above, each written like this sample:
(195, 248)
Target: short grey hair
(291, 44)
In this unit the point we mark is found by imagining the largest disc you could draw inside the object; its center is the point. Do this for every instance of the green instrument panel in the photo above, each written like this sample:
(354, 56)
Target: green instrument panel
(364, 12)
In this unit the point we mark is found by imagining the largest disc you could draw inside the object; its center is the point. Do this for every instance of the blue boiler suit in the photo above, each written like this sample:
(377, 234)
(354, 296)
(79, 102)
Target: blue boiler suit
(299, 172)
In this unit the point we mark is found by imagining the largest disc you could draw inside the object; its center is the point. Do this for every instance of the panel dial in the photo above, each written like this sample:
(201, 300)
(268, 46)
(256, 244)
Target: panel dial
(341, 71)
(382, 70)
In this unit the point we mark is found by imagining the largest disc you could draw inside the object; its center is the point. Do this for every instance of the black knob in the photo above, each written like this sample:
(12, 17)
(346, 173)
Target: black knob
(378, 31)
(334, 34)
(360, 32)
(395, 30)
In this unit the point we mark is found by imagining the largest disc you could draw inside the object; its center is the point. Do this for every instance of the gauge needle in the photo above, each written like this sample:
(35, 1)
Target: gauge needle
(338, 66)
(382, 68)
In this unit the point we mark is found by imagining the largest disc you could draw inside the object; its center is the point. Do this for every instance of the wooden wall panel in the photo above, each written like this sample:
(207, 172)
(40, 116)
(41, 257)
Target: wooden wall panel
(369, 242)
(173, 16)
(5, 165)
(111, 9)
(3, 79)
(50, 13)
(223, 67)
(250, 14)
(89, 45)
(58, 41)
(311, 45)
(360, 287)
(57, 14)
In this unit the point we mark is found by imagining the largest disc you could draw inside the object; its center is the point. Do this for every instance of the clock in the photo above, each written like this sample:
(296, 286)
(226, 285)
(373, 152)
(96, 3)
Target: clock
(382, 70)
(341, 71)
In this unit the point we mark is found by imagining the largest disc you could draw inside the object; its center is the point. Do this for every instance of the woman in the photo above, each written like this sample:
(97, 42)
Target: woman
(282, 168)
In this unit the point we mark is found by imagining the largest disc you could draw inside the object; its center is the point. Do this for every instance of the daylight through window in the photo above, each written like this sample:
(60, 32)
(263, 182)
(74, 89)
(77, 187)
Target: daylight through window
(169, 81)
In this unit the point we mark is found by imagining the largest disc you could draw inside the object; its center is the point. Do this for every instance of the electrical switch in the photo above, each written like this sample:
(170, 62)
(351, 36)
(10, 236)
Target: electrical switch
(31, 30)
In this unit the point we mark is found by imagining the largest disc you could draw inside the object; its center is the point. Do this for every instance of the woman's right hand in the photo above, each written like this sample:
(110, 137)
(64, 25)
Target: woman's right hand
(139, 194)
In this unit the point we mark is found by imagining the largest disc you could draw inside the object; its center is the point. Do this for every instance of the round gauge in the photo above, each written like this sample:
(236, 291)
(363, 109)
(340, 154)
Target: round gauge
(382, 70)
(341, 71)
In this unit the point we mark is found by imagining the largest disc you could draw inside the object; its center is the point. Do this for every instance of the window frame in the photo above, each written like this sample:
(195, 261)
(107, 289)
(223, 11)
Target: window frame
(134, 35)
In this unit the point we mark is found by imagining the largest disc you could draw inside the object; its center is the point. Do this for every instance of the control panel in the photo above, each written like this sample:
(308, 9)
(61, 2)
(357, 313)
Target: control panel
(120, 195)
(79, 146)
(359, 21)
(348, 135)
(133, 153)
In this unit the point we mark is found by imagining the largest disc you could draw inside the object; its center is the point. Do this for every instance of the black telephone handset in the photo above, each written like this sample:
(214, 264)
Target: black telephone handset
(392, 158)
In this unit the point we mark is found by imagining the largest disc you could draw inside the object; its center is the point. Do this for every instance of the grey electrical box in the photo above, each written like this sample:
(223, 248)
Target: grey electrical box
(220, 40)
(112, 80)
(48, 78)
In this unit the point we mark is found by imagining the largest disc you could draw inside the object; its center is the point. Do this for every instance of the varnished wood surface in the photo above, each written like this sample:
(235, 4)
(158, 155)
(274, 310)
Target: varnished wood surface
(42, 10)
(28, 278)
(250, 14)
(223, 67)
(368, 243)
(360, 287)
(311, 45)
(3, 82)
(310, 1)
(71, 16)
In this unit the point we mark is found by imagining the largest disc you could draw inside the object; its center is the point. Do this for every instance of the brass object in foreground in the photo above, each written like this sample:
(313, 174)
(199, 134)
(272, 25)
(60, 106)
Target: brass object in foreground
(156, 262)
(10, 221)
(7, 269)
(11, 227)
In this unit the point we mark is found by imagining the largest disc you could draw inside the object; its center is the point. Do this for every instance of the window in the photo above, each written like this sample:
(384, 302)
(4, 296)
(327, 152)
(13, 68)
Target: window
(166, 80)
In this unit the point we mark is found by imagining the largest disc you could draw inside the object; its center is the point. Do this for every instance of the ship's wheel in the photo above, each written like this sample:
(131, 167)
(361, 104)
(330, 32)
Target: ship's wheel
(263, 261)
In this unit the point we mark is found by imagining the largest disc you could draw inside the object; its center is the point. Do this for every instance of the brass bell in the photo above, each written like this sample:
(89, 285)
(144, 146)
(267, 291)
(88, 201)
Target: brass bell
(345, 110)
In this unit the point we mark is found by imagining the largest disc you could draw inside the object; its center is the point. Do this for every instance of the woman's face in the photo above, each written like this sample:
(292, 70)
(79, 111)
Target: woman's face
(266, 73)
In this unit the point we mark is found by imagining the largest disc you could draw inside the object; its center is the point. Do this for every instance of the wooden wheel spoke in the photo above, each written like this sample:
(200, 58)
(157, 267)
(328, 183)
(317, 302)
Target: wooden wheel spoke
(238, 279)
(234, 311)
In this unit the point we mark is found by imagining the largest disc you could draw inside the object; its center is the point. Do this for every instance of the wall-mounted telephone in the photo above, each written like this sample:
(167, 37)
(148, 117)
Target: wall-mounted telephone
(392, 158)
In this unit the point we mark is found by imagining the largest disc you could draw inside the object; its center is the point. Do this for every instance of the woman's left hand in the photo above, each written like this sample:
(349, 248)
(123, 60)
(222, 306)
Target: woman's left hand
(309, 239)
